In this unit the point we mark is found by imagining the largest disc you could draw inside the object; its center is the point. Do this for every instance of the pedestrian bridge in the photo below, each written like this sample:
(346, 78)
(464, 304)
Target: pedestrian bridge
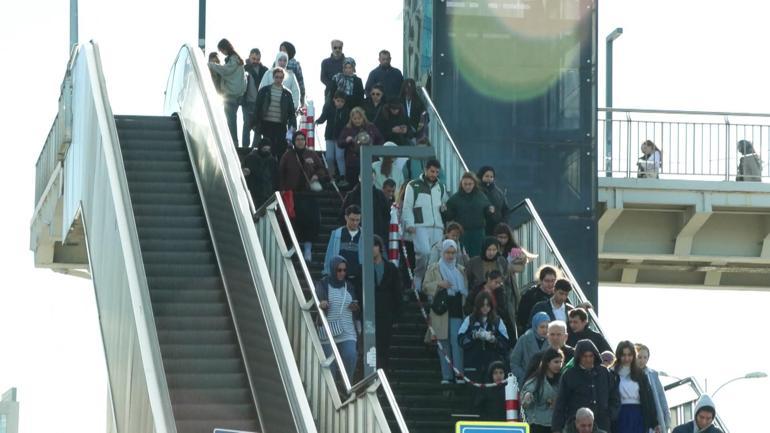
(695, 225)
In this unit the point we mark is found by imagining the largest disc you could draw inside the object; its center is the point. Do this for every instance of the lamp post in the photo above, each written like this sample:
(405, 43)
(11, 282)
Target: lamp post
(73, 23)
(753, 375)
(202, 25)
(608, 102)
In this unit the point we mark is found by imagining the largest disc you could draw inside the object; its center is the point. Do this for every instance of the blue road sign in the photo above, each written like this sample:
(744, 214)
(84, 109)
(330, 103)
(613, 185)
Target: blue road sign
(491, 427)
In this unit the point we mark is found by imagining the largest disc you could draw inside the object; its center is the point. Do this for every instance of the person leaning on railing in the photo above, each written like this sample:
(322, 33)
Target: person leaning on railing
(650, 162)
(749, 166)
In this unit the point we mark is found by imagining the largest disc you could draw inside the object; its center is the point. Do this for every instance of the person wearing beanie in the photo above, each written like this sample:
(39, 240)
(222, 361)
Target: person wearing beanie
(348, 83)
(532, 342)
(557, 306)
(497, 197)
(588, 384)
(705, 413)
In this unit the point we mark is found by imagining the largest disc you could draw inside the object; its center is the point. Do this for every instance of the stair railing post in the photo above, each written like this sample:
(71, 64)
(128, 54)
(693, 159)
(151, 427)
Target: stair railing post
(367, 232)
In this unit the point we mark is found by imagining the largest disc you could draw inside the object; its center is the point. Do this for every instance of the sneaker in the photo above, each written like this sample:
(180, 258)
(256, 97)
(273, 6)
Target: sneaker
(445, 382)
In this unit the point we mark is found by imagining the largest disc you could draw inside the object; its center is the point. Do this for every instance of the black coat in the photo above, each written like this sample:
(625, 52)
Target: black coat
(335, 119)
(380, 206)
(354, 100)
(387, 121)
(593, 388)
(413, 117)
(646, 400)
(288, 116)
(390, 78)
(329, 67)
(262, 179)
(545, 307)
(598, 339)
(532, 296)
(497, 197)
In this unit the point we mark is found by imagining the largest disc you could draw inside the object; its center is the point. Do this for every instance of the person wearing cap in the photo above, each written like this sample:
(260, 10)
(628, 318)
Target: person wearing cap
(330, 66)
(348, 83)
(705, 413)
(557, 306)
(588, 384)
(528, 345)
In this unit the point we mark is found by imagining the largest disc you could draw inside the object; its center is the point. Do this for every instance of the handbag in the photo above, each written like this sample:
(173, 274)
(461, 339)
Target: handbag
(314, 185)
(440, 304)
(288, 202)
(335, 326)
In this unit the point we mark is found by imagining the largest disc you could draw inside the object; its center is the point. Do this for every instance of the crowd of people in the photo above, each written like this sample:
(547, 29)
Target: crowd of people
(455, 250)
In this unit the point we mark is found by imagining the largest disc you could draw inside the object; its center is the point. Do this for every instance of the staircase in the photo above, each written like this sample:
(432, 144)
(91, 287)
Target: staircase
(201, 355)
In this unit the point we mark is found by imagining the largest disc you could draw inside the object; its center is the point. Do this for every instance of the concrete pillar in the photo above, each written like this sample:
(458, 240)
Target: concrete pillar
(697, 218)
(713, 278)
(766, 247)
(610, 215)
(629, 275)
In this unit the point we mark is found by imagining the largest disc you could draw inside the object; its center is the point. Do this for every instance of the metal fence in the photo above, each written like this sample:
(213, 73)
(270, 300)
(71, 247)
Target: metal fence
(357, 408)
(686, 392)
(453, 165)
(698, 145)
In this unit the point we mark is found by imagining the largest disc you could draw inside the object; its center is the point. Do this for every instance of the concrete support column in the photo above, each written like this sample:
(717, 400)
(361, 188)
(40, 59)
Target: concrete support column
(610, 215)
(697, 218)
(766, 247)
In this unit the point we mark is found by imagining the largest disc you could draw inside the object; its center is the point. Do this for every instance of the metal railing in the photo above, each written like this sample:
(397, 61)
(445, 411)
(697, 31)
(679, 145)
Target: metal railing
(533, 236)
(453, 165)
(686, 392)
(59, 136)
(699, 145)
(357, 408)
(529, 230)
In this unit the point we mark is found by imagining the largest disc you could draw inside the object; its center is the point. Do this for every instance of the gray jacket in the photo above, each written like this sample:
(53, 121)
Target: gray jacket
(659, 395)
(233, 80)
(540, 410)
(526, 347)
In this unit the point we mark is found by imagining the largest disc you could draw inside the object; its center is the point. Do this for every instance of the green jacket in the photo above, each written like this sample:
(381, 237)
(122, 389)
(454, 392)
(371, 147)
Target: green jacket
(468, 209)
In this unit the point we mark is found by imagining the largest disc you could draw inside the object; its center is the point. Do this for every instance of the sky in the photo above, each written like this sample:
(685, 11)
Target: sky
(696, 55)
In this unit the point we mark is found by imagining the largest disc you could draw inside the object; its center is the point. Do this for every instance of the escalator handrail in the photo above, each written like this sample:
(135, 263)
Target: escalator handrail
(244, 208)
(157, 384)
(434, 112)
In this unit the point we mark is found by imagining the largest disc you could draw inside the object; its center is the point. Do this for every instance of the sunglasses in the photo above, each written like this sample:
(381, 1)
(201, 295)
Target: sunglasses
(337, 48)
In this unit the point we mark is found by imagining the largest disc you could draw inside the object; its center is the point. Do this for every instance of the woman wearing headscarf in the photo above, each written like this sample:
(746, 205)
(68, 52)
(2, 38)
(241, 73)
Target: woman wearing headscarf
(387, 299)
(491, 260)
(299, 167)
(289, 81)
(470, 207)
(496, 196)
(349, 83)
(528, 345)
(293, 65)
(233, 84)
(337, 299)
(446, 286)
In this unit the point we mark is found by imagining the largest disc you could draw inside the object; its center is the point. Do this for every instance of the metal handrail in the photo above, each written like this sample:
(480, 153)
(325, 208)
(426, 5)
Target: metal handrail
(352, 392)
(577, 294)
(694, 112)
(696, 388)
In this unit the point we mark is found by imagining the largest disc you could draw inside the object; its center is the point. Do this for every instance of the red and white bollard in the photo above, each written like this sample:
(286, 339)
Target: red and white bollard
(394, 235)
(307, 123)
(512, 399)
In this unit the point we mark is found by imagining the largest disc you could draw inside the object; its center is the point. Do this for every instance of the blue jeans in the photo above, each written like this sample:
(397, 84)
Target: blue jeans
(453, 350)
(231, 113)
(248, 109)
(334, 153)
(349, 356)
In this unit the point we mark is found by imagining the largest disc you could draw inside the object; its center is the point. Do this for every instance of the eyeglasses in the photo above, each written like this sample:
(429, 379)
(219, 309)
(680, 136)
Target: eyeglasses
(376, 93)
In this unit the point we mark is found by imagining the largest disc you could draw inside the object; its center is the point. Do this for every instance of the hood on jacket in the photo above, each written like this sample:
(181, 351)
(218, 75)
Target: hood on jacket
(705, 403)
(280, 55)
(333, 280)
(584, 346)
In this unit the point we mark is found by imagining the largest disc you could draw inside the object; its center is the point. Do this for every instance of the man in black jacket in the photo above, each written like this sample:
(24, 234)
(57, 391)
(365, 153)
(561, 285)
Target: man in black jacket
(579, 330)
(556, 307)
(330, 66)
(390, 77)
(535, 294)
(588, 384)
(336, 114)
(275, 113)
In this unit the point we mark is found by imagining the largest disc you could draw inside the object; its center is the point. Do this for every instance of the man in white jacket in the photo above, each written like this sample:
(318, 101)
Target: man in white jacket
(424, 201)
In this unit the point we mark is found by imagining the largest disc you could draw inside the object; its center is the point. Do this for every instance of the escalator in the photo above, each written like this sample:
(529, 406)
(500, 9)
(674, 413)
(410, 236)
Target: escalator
(203, 364)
